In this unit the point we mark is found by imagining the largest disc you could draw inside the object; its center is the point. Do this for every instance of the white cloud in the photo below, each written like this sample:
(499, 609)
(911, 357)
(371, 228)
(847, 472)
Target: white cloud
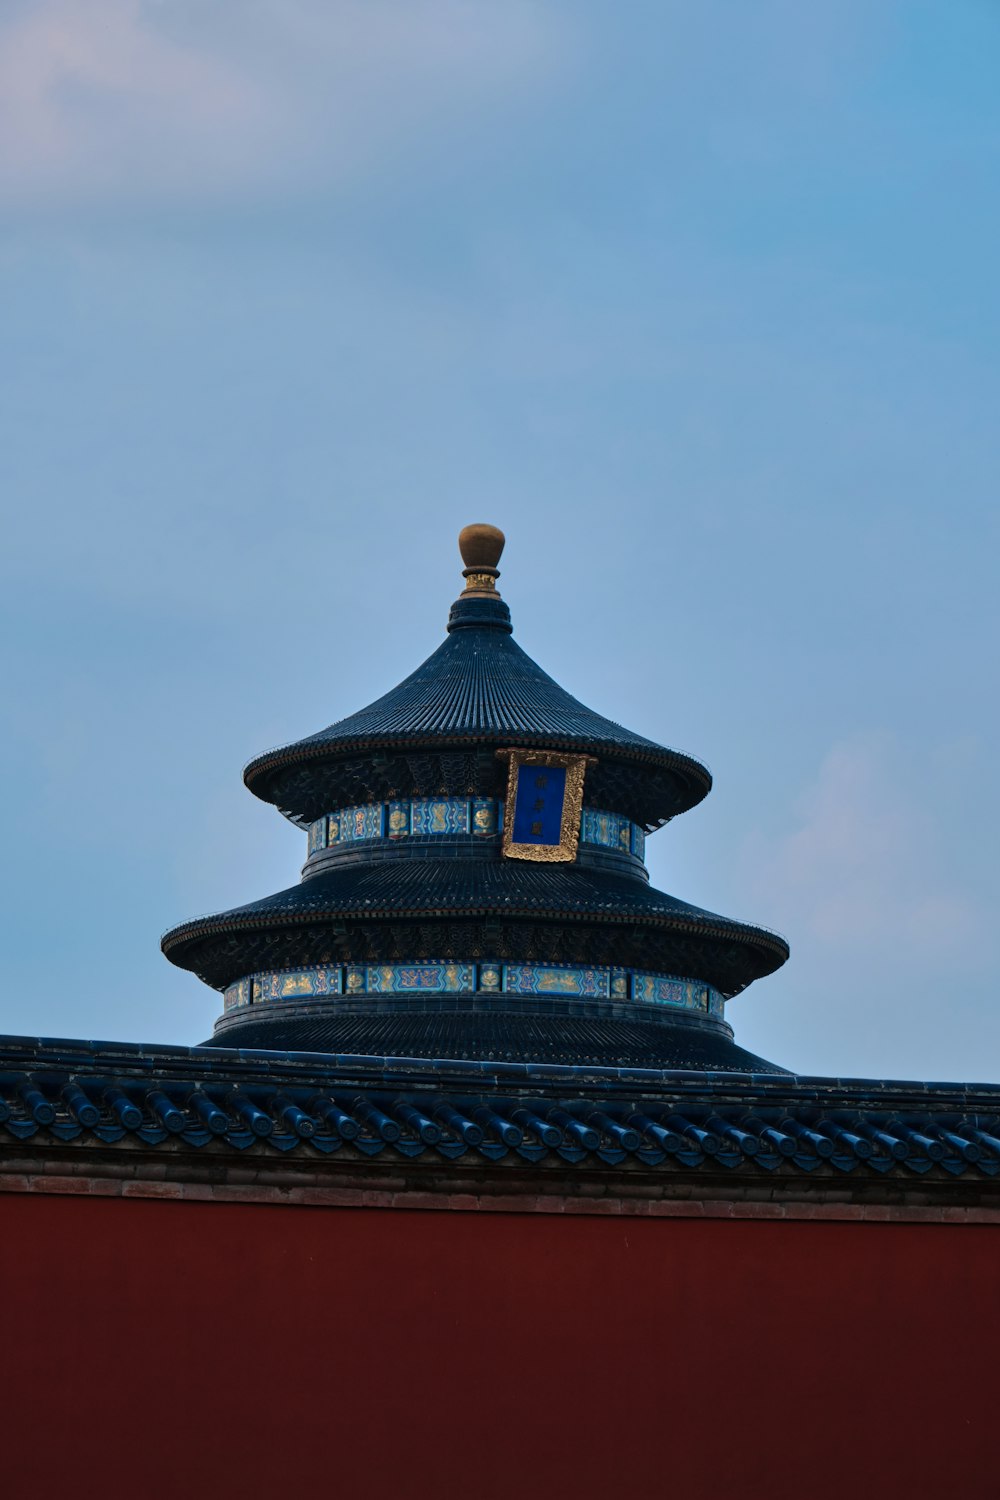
(134, 99)
(867, 868)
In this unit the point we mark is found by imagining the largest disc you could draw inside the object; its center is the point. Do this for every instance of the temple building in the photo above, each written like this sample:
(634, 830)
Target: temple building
(475, 884)
(473, 1153)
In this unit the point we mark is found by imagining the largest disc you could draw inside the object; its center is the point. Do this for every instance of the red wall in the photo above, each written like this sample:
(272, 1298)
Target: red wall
(159, 1349)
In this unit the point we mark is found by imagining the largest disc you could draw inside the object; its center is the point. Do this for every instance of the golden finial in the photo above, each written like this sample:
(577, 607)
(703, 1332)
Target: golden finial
(480, 547)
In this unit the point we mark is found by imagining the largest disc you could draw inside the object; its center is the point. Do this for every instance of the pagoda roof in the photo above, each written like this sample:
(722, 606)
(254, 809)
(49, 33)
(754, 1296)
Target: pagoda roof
(731, 954)
(394, 899)
(480, 689)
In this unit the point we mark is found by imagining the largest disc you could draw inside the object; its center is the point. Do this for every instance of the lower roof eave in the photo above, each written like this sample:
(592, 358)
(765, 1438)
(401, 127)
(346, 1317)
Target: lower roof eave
(765, 951)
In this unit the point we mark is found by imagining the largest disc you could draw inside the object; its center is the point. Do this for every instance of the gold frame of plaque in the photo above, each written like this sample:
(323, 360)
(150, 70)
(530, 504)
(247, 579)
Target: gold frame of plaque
(575, 767)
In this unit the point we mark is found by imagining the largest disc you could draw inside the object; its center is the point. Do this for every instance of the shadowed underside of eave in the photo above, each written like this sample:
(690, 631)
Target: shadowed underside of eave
(467, 909)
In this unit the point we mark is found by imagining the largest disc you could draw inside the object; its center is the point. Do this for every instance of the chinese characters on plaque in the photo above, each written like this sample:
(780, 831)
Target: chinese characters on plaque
(544, 799)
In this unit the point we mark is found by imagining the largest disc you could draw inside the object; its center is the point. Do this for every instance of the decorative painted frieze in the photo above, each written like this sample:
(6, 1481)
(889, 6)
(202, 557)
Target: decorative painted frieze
(356, 824)
(439, 815)
(424, 978)
(487, 817)
(536, 979)
(662, 989)
(238, 994)
(286, 984)
(397, 823)
(448, 977)
(483, 817)
(610, 830)
(297, 983)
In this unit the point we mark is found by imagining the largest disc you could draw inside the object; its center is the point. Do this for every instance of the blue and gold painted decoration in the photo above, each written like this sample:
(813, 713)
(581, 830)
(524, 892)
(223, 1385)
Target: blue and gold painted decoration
(352, 825)
(556, 979)
(238, 994)
(610, 830)
(482, 817)
(444, 978)
(297, 983)
(487, 817)
(450, 977)
(662, 989)
(439, 815)
(397, 822)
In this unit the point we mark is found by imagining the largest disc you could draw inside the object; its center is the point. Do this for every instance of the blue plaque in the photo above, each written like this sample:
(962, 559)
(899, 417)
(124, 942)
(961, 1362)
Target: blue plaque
(538, 809)
(543, 804)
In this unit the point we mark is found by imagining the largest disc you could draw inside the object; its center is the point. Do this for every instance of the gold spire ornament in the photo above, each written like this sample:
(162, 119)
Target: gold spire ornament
(480, 546)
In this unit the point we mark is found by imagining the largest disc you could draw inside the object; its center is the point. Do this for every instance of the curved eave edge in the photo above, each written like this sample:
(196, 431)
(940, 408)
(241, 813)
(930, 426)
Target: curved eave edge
(758, 939)
(263, 766)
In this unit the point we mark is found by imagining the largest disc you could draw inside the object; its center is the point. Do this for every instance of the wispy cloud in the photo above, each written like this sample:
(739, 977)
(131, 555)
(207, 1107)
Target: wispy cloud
(867, 867)
(136, 99)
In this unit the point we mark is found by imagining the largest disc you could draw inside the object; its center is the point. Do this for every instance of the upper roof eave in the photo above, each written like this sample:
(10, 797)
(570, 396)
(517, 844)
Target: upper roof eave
(300, 752)
(479, 688)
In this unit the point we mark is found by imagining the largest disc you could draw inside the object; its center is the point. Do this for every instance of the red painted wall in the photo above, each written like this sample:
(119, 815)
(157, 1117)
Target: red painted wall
(160, 1349)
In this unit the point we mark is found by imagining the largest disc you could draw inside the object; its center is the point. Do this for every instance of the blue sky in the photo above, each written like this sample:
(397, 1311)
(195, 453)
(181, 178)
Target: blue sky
(698, 302)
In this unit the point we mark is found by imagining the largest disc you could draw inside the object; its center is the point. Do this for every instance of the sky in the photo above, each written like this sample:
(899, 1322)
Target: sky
(698, 302)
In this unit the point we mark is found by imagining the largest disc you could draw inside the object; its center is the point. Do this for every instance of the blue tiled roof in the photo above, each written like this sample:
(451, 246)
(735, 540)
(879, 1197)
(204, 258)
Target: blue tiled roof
(650, 1119)
(454, 885)
(441, 734)
(501, 890)
(566, 1034)
(480, 688)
